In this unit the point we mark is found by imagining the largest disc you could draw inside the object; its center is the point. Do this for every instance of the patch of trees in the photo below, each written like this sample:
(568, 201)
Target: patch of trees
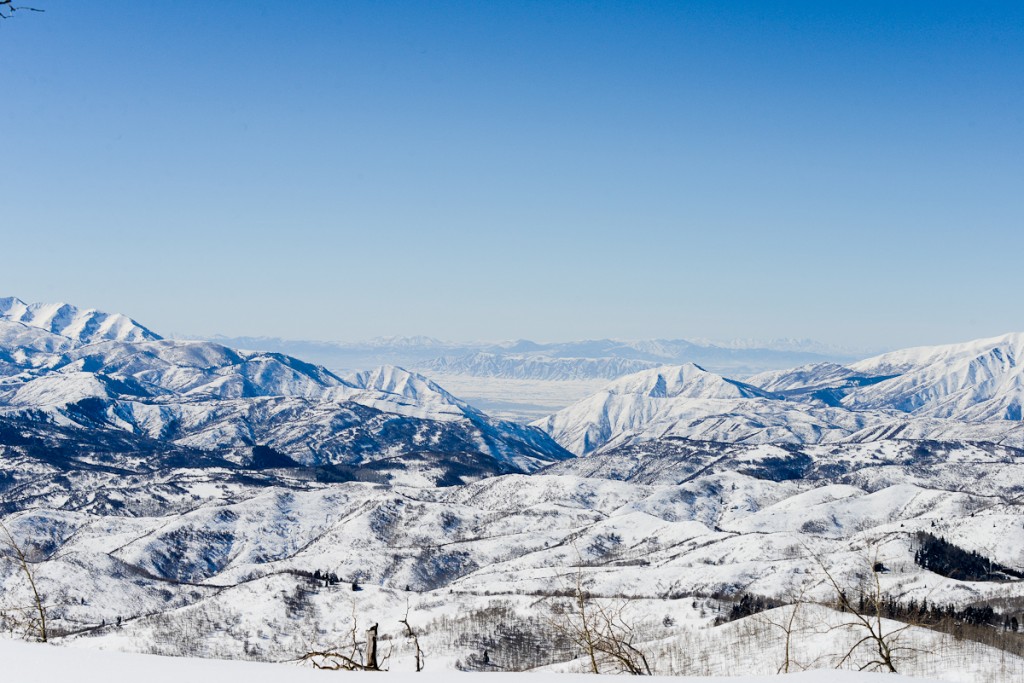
(924, 614)
(938, 555)
(500, 639)
(745, 605)
(318, 577)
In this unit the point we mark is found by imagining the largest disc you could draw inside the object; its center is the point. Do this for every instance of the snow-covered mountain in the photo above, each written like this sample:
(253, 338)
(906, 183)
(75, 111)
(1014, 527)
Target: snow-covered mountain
(81, 325)
(690, 402)
(970, 391)
(978, 381)
(205, 396)
(803, 378)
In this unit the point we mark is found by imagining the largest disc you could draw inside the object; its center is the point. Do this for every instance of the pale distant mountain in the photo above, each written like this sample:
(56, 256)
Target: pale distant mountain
(352, 356)
(523, 359)
(535, 367)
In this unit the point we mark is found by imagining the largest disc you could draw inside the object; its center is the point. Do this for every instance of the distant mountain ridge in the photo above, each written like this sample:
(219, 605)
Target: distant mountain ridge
(532, 367)
(555, 361)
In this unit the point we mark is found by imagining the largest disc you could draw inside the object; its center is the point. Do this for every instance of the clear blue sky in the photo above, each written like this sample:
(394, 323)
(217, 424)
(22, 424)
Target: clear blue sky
(850, 172)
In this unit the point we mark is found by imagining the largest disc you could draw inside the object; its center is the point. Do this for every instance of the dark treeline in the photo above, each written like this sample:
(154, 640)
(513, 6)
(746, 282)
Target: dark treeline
(938, 555)
(745, 605)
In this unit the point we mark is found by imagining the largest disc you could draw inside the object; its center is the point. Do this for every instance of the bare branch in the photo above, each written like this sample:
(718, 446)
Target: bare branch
(601, 631)
(420, 657)
(11, 9)
(23, 562)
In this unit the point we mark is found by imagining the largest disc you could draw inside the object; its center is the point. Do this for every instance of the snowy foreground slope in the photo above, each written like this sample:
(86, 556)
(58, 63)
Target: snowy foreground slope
(41, 664)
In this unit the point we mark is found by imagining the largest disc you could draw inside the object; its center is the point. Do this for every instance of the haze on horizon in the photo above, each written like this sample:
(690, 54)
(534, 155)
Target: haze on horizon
(544, 170)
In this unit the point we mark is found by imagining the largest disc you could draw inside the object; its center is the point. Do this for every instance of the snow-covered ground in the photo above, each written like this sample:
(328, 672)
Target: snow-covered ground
(38, 663)
(195, 561)
(32, 663)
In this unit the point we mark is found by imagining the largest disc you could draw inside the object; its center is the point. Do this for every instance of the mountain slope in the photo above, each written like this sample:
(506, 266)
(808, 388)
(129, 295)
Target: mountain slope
(976, 381)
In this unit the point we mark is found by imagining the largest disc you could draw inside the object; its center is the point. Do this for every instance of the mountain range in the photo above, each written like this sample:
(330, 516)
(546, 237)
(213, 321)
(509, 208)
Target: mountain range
(522, 380)
(188, 498)
(528, 360)
(90, 371)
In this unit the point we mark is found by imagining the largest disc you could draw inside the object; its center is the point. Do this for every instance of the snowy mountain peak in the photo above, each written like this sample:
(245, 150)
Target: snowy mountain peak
(664, 395)
(688, 380)
(1008, 346)
(811, 375)
(392, 379)
(12, 307)
(85, 326)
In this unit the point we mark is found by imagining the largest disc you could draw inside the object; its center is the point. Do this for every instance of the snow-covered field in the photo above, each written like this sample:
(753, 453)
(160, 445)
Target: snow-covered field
(749, 651)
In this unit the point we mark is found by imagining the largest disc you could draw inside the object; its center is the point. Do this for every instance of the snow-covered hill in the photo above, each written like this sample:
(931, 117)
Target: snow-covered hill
(216, 561)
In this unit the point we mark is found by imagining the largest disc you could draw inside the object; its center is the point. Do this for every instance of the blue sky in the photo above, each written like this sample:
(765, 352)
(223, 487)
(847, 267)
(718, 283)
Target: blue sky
(849, 172)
